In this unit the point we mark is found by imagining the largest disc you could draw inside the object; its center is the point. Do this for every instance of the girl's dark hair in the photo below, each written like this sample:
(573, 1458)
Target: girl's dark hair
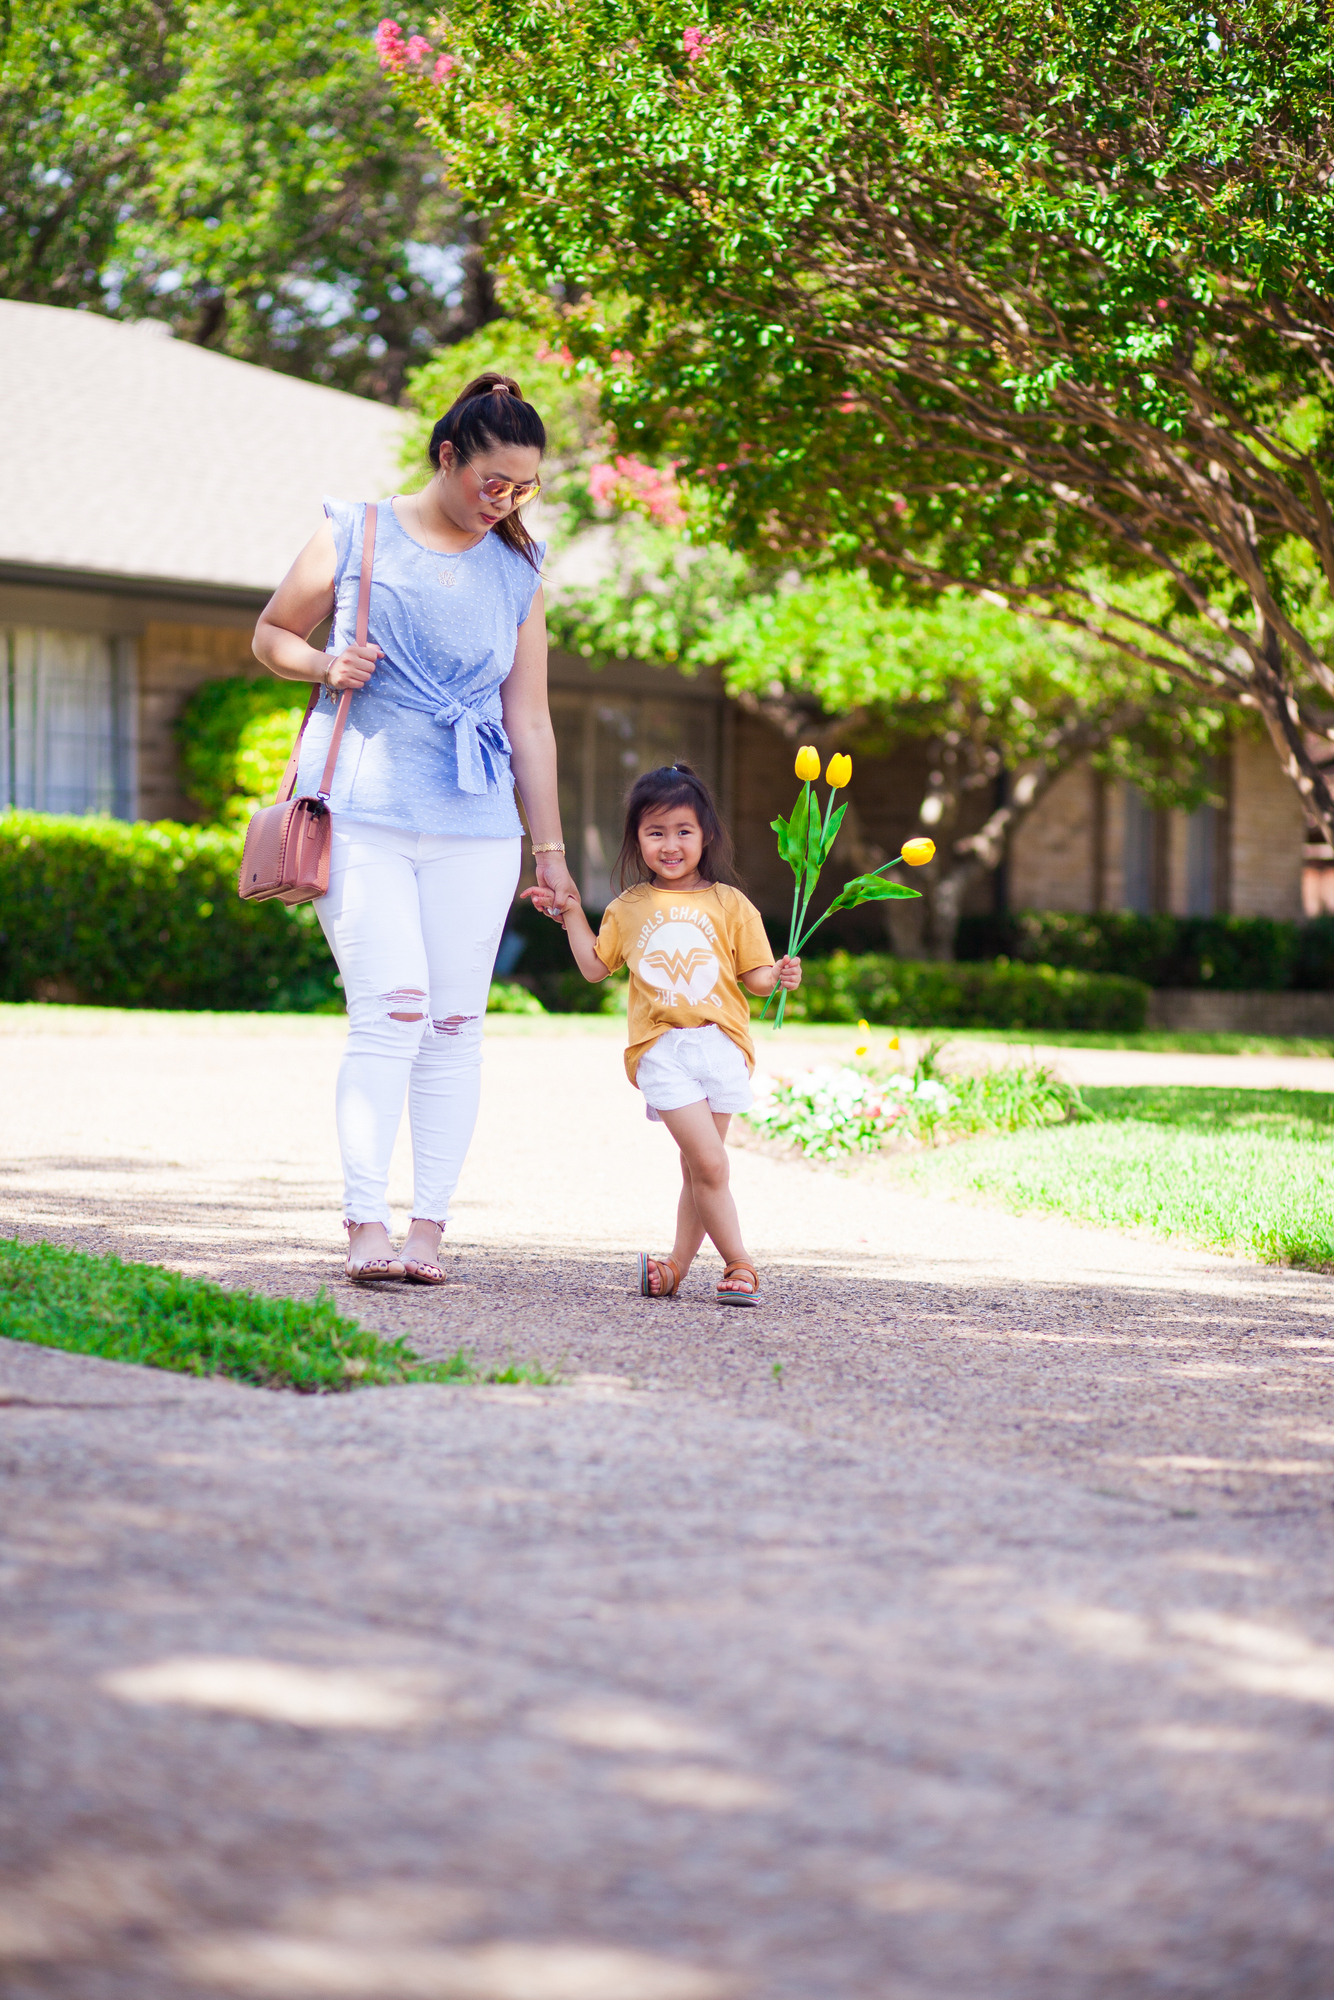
(488, 412)
(674, 785)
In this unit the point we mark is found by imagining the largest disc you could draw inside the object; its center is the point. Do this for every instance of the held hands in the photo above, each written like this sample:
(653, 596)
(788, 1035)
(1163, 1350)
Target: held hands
(352, 668)
(555, 892)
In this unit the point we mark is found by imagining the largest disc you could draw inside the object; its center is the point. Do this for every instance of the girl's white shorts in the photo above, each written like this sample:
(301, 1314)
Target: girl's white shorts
(687, 1065)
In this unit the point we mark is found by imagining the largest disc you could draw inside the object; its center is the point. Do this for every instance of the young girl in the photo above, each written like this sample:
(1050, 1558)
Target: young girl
(691, 941)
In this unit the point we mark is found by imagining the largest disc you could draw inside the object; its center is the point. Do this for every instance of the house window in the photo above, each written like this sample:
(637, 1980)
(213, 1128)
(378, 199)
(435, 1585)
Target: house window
(1202, 862)
(1140, 852)
(66, 722)
(602, 744)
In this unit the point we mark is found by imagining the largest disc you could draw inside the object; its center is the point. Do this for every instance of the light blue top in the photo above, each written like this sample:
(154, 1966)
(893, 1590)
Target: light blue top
(425, 746)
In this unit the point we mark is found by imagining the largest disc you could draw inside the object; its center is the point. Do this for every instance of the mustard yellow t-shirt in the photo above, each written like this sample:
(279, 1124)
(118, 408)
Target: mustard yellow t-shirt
(686, 950)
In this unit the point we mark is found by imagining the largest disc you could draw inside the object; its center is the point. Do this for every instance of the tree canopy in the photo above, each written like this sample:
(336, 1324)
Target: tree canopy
(239, 171)
(1024, 300)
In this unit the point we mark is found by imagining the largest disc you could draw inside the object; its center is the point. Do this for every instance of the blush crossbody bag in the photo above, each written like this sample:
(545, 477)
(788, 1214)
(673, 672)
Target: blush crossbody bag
(287, 844)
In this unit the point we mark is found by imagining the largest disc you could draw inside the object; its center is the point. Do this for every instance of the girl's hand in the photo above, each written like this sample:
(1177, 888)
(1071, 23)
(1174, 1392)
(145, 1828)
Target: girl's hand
(542, 900)
(788, 972)
(352, 669)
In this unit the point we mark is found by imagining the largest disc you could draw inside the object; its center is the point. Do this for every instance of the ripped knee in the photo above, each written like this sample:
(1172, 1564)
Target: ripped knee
(399, 1003)
(453, 1024)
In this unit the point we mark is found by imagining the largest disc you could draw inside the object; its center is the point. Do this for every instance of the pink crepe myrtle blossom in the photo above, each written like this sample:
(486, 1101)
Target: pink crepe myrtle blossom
(694, 41)
(561, 354)
(602, 482)
(389, 45)
(397, 55)
(443, 66)
(630, 483)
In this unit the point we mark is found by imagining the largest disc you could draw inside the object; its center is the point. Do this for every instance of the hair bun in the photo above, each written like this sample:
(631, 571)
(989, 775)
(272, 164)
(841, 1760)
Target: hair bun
(490, 384)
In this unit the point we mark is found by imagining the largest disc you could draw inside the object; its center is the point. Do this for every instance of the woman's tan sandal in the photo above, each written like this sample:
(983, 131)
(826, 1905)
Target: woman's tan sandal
(375, 1270)
(424, 1270)
(418, 1272)
(731, 1298)
(662, 1265)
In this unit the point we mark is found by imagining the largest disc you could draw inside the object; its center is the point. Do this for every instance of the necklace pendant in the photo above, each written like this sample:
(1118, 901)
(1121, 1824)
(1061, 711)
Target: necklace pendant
(446, 576)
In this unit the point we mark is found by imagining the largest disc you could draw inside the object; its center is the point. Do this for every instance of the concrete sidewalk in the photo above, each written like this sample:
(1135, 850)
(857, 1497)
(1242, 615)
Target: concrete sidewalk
(957, 1627)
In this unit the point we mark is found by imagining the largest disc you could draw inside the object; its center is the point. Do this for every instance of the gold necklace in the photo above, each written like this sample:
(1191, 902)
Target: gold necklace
(448, 577)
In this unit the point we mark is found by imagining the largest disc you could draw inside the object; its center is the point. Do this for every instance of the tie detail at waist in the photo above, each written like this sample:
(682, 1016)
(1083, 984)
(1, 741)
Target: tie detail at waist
(481, 746)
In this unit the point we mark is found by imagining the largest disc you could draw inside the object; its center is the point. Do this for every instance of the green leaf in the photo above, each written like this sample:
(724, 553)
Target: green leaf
(870, 889)
(794, 834)
(831, 834)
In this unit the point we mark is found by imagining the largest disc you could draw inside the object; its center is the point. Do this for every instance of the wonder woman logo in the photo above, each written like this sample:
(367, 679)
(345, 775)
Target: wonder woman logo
(678, 965)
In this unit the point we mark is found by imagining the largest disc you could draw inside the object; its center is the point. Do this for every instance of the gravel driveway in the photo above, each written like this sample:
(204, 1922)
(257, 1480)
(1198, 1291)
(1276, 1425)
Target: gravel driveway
(957, 1627)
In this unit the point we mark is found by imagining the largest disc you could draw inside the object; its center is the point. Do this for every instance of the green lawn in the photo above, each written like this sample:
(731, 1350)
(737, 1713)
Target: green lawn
(1248, 1171)
(142, 1313)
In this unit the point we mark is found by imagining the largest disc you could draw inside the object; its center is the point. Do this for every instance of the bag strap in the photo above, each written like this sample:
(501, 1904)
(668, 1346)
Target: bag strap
(288, 785)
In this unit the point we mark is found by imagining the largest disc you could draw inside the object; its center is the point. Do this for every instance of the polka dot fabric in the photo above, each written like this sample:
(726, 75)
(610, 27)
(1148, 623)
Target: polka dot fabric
(425, 746)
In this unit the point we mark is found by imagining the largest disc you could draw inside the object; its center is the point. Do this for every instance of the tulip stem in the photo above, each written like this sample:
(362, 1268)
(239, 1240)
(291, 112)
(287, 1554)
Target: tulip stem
(806, 936)
(799, 877)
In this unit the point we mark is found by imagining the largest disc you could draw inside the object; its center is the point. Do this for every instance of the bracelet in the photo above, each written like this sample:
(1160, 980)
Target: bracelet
(548, 847)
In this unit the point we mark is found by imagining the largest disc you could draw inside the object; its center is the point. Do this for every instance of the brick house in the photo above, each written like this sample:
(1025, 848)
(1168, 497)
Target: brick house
(157, 492)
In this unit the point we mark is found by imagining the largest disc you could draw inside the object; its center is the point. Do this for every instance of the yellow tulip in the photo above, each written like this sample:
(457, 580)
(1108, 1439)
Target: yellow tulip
(918, 852)
(808, 763)
(893, 1044)
(838, 772)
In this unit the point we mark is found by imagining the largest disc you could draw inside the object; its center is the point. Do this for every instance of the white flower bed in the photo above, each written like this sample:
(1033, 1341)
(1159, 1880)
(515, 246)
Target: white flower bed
(828, 1111)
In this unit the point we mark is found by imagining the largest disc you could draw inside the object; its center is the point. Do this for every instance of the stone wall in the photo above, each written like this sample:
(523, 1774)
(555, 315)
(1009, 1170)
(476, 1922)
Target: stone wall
(1268, 830)
(1070, 854)
(1055, 854)
(175, 659)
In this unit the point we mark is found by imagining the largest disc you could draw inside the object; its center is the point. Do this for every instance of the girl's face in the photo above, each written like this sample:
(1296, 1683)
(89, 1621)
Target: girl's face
(671, 841)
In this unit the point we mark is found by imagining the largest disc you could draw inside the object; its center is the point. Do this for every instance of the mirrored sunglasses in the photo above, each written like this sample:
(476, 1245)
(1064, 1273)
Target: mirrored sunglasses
(504, 489)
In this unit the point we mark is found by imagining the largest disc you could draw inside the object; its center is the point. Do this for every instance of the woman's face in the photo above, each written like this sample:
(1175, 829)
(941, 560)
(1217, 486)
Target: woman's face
(671, 842)
(460, 483)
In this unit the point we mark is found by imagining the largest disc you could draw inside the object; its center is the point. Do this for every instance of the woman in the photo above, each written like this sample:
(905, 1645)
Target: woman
(449, 712)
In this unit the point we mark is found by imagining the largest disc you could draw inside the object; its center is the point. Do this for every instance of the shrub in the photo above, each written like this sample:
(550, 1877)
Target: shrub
(1229, 954)
(507, 998)
(119, 915)
(235, 737)
(931, 994)
(536, 953)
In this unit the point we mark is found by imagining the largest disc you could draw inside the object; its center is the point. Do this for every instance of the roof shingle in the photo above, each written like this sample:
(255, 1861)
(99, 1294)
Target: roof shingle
(130, 454)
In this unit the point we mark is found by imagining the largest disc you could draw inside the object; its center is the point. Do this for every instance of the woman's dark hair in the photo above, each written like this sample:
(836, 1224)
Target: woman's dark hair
(654, 791)
(488, 412)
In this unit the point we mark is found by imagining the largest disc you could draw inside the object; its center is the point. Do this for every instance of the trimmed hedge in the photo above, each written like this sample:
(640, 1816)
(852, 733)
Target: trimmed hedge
(113, 914)
(915, 993)
(1229, 954)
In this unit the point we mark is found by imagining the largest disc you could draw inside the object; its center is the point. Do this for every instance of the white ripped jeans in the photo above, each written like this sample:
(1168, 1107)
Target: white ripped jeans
(414, 921)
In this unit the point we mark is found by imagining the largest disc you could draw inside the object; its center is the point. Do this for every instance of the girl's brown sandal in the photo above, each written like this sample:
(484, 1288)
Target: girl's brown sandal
(727, 1297)
(662, 1265)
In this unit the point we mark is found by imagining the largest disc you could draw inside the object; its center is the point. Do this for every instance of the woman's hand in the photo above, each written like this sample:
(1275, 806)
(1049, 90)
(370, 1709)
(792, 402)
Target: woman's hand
(352, 668)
